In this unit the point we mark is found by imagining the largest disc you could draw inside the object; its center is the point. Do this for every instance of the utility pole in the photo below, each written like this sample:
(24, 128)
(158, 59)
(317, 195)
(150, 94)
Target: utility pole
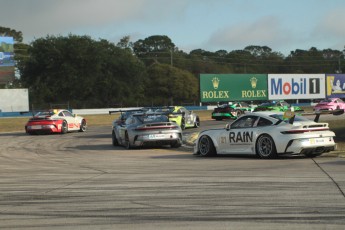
(171, 57)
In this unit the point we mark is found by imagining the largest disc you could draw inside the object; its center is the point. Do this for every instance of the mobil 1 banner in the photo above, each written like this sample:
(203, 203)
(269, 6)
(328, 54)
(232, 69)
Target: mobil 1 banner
(233, 87)
(296, 86)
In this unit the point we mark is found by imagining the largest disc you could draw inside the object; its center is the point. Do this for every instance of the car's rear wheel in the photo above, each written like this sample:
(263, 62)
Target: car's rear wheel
(127, 142)
(183, 124)
(114, 139)
(206, 146)
(82, 126)
(176, 144)
(64, 127)
(238, 113)
(265, 147)
(197, 122)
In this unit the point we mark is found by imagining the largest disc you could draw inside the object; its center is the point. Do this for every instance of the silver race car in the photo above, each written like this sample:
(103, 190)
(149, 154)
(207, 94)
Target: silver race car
(268, 134)
(146, 129)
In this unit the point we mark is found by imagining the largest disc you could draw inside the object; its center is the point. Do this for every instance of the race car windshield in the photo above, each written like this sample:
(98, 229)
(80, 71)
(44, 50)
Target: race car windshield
(45, 113)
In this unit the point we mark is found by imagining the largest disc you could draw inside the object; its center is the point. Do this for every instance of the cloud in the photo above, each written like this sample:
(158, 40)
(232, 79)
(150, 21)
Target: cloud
(331, 24)
(330, 29)
(265, 32)
(37, 18)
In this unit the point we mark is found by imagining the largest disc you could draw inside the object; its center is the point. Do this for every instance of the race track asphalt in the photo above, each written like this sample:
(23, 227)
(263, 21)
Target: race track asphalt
(81, 181)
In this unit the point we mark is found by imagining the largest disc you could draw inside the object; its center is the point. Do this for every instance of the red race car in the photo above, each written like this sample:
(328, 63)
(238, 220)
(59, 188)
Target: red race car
(55, 121)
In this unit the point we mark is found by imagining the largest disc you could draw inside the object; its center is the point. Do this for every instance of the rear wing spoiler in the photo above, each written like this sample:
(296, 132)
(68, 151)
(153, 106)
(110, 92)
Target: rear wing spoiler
(317, 114)
(126, 110)
(291, 115)
(34, 112)
(162, 108)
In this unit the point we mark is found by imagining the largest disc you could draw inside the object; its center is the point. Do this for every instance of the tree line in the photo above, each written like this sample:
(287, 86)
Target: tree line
(90, 73)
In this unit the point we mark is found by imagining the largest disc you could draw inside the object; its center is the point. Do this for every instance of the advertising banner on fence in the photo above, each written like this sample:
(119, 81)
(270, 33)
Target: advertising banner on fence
(296, 86)
(233, 87)
(6, 60)
(14, 100)
(335, 85)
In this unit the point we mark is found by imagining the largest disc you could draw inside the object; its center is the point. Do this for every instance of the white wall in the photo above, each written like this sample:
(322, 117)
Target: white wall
(14, 100)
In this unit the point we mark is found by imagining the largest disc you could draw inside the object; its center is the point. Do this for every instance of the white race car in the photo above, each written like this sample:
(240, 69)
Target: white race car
(268, 134)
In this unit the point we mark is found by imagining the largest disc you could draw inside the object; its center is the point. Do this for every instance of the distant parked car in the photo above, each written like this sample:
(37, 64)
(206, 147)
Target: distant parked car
(330, 104)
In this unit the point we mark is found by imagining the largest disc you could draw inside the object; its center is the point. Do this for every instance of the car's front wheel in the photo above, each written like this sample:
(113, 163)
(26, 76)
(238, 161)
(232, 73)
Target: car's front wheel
(82, 126)
(64, 127)
(265, 147)
(206, 146)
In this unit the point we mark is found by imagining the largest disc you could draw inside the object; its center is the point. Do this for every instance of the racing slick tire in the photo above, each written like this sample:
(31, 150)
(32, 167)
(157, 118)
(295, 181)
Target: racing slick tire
(197, 122)
(206, 147)
(238, 113)
(114, 139)
(265, 147)
(82, 126)
(183, 124)
(127, 142)
(176, 144)
(64, 127)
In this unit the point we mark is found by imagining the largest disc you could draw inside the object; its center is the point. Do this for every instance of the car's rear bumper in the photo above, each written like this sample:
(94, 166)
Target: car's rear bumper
(310, 146)
(158, 139)
(41, 129)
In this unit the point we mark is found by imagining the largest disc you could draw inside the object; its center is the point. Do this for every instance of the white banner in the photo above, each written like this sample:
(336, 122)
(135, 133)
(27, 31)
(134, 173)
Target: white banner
(14, 100)
(296, 86)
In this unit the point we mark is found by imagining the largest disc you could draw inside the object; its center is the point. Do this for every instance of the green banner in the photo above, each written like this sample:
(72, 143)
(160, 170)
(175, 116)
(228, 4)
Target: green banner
(233, 87)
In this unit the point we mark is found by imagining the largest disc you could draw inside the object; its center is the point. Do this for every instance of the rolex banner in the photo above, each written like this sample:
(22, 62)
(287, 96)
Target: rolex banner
(233, 87)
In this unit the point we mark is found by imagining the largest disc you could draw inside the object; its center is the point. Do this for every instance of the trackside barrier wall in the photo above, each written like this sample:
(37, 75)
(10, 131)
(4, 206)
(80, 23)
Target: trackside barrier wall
(106, 111)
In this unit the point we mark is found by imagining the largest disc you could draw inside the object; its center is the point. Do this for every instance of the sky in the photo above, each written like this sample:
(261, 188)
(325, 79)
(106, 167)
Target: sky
(211, 25)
